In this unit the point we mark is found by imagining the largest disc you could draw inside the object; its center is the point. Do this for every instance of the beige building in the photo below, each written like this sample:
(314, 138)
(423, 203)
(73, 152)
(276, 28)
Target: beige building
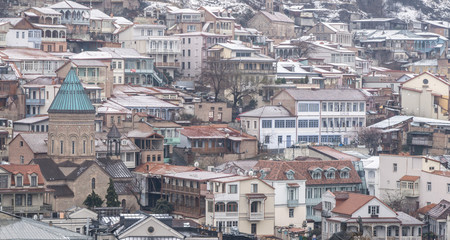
(425, 95)
(332, 32)
(241, 203)
(275, 25)
(212, 111)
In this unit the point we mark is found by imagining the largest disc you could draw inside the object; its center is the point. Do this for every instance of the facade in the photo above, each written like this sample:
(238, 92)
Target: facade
(379, 221)
(240, 203)
(213, 111)
(321, 116)
(288, 182)
(22, 190)
(27, 146)
(22, 33)
(425, 95)
(183, 20)
(333, 32)
(274, 25)
(75, 17)
(195, 45)
(218, 20)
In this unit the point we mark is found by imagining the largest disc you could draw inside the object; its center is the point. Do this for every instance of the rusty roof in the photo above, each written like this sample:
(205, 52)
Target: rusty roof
(333, 153)
(219, 131)
(26, 171)
(161, 168)
(409, 178)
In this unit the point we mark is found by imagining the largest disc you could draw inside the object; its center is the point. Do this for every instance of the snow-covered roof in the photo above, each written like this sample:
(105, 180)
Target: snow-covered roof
(31, 120)
(46, 10)
(393, 121)
(423, 62)
(123, 53)
(267, 111)
(66, 4)
(99, 15)
(236, 47)
(199, 175)
(92, 55)
(277, 17)
(122, 21)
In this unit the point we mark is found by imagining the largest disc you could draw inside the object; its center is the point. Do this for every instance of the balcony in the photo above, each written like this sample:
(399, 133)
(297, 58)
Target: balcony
(28, 209)
(163, 51)
(292, 203)
(139, 71)
(326, 213)
(180, 188)
(168, 64)
(255, 216)
(411, 193)
(39, 102)
(421, 141)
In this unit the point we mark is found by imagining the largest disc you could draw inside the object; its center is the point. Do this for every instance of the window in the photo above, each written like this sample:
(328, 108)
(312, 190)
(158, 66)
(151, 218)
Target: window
(324, 107)
(316, 175)
(73, 147)
(21, 143)
(232, 207)
(19, 181)
(330, 174)
(279, 123)
(290, 123)
(361, 107)
(253, 230)
(220, 207)
(233, 189)
(254, 187)
(291, 212)
(344, 174)
(374, 210)
(22, 159)
(3, 181)
(93, 183)
(280, 139)
(266, 123)
(313, 123)
(302, 123)
(61, 144)
(266, 139)
(19, 199)
(429, 186)
(448, 187)
(29, 200)
(33, 181)
(394, 167)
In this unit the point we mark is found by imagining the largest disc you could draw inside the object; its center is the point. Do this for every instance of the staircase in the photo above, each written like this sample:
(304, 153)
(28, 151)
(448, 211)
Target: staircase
(159, 76)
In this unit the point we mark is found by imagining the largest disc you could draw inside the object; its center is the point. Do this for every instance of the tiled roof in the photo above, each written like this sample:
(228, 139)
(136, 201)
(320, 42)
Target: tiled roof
(424, 210)
(409, 178)
(161, 168)
(354, 202)
(276, 170)
(326, 94)
(61, 190)
(333, 153)
(36, 141)
(267, 111)
(26, 171)
(71, 97)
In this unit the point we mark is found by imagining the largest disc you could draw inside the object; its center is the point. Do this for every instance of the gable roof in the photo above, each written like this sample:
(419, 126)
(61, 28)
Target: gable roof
(113, 132)
(49, 169)
(71, 97)
(277, 17)
(115, 168)
(333, 153)
(352, 203)
(276, 170)
(219, 131)
(267, 111)
(429, 74)
(409, 178)
(66, 4)
(61, 190)
(36, 141)
(441, 210)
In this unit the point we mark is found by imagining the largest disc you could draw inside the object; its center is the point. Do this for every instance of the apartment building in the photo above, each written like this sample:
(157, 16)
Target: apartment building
(332, 32)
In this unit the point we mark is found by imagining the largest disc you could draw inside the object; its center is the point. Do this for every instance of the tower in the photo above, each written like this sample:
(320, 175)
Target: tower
(71, 132)
(113, 141)
(269, 6)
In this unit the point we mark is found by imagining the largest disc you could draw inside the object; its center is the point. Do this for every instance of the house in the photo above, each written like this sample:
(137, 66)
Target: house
(75, 17)
(274, 25)
(438, 27)
(437, 67)
(212, 111)
(21, 33)
(218, 139)
(321, 116)
(290, 199)
(183, 20)
(150, 143)
(23, 191)
(437, 215)
(379, 221)
(16, 227)
(101, 25)
(379, 24)
(28, 146)
(425, 95)
(218, 20)
(74, 219)
(416, 179)
(195, 45)
(332, 32)
(334, 54)
(245, 203)
(171, 133)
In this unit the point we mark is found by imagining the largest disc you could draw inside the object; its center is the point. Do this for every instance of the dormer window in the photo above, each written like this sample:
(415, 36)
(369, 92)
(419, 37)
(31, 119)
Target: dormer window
(290, 174)
(3, 181)
(33, 182)
(344, 174)
(330, 174)
(316, 174)
(19, 181)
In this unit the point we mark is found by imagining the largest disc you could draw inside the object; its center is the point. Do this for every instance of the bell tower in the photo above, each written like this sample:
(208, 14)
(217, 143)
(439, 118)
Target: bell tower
(113, 142)
(71, 133)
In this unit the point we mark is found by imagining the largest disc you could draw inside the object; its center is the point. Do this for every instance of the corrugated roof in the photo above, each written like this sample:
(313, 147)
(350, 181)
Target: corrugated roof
(161, 168)
(326, 94)
(267, 111)
(71, 97)
(115, 168)
(46, 10)
(441, 210)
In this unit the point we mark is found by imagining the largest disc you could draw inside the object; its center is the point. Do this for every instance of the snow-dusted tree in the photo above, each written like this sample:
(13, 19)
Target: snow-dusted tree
(371, 138)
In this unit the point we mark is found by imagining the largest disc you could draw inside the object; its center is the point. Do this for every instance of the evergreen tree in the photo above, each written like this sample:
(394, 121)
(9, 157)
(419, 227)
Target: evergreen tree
(162, 206)
(93, 200)
(112, 199)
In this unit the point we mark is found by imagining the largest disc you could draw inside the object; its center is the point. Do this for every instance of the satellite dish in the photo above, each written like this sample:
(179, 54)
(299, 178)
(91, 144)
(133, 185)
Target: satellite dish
(250, 173)
(196, 164)
(35, 217)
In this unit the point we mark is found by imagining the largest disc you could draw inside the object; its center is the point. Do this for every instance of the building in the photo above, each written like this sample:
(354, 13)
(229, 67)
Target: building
(240, 203)
(218, 20)
(290, 199)
(195, 45)
(321, 116)
(425, 95)
(379, 221)
(21, 33)
(75, 17)
(212, 111)
(6, 135)
(332, 32)
(379, 24)
(437, 215)
(27, 146)
(23, 192)
(274, 25)
(183, 20)
(218, 139)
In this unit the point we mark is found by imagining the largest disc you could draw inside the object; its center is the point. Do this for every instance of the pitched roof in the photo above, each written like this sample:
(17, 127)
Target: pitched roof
(350, 205)
(68, 4)
(215, 132)
(61, 190)
(429, 74)
(115, 168)
(426, 209)
(441, 210)
(162, 168)
(26, 171)
(277, 17)
(36, 141)
(71, 97)
(326, 94)
(113, 132)
(409, 178)
(333, 153)
(276, 170)
(267, 111)
(49, 169)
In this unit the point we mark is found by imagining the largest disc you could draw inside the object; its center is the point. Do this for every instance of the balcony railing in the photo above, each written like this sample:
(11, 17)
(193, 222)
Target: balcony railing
(163, 51)
(28, 209)
(255, 216)
(168, 64)
(40, 102)
(171, 141)
(144, 71)
(292, 203)
(180, 188)
(326, 213)
(410, 192)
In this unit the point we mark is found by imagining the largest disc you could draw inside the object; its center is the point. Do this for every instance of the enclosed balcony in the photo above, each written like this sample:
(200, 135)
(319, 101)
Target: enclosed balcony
(256, 206)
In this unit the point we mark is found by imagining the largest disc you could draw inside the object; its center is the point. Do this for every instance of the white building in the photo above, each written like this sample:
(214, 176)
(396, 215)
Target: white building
(22, 33)
(379, 220)
(372, 173)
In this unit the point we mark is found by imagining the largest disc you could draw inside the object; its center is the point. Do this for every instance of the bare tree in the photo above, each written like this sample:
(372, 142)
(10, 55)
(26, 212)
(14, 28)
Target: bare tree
(242, 86)
(398, 202)
(136, 187)
(302, 48)
(371, 138)
(215, 74)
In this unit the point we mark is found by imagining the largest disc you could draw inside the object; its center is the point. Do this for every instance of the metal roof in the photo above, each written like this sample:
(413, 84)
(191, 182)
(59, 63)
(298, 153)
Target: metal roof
(71, 97)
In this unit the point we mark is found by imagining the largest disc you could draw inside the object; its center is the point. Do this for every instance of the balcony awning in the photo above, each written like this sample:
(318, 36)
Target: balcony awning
(409, 178)
(256, 196)
(3, 132)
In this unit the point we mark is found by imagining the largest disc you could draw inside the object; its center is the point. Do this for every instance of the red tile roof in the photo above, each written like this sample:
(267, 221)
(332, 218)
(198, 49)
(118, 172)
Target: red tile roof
(409, 178)
(424, 210)
(333, 153)
(441, 173)
(161, 168)
(26, 171)
(350, 205)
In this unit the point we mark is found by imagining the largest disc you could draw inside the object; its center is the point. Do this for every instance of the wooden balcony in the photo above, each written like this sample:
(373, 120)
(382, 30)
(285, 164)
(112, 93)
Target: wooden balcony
(170, 187)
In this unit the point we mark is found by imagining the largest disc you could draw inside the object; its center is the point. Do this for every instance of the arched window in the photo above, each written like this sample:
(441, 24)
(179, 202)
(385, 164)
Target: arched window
(93, 183)
(344, 174)
(330, 174)
(255, 207)
(232, 207)
(316, 175)
(220, 207)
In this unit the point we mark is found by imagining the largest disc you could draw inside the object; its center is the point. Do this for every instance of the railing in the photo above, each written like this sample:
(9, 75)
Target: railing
(160, 76)
(255, 216)
(96, 100)
(35, 102)
(180, 188)
(171, 141)
(28, 209)
(163, 51)
(370, 180)
(421, 141)
(410, 192)
(167, 64)
(292, 203)
(145, 70)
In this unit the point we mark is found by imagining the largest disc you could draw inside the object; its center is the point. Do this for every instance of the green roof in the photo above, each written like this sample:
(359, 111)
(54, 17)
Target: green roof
(71, 97)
